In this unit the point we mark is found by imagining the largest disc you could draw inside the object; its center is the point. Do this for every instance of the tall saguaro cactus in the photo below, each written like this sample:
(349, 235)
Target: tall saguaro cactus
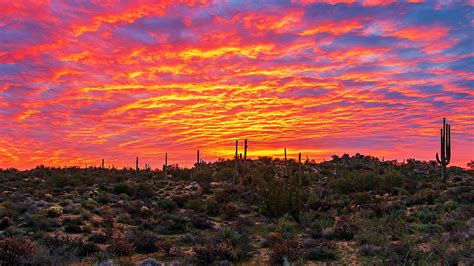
(198, 161)
(236, 161)
(136, 166)
(245, 150)
(165, 166)
(445, 156)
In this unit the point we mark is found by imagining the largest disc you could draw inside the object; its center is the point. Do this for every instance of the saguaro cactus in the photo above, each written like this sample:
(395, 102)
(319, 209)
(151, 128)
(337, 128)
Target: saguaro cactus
(236, 160)
(445, 156)
(245, 149)
(102, 165)
(136, 166)
(285, 154)
(165, 166)
(198, 161)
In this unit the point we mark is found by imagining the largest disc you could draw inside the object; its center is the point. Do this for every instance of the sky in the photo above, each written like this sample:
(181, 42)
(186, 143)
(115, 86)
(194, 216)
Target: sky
(86, 80)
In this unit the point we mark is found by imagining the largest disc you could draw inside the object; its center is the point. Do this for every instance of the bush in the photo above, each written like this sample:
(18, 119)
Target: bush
(144, 191)
(121, 247)
(281, 197)
(344, 229)
(284, 250)
(123, 188)
(356, 181)
(167, 204)
(167, 246)
(72, 226)
(4, 223)
(206, 254)
(321, 250)
(212, 207)
(55, 211)
(232, 245)
(98, 238)
(143, 241)
(15, 251)
(60, 246)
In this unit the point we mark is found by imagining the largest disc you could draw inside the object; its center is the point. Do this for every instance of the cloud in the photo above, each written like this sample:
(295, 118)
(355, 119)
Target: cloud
(86, 80)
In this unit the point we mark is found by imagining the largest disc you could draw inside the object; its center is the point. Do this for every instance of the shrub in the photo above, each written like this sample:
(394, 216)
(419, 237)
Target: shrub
(4, 223)
(232, 245)
(87, 249)
(62, 246)
(167, 204)
(167, 246)
(285, 250)
(206, 254)
(144, 191)
(281, 197)
(212, 207)
(15, 251)
(72, 226)
(55, 211)
(397, 253)
(344, 229)
(98, 238)
(123, 188)
(231, 211)
(321, 250)
(143, 241)
(368, 250)
(120, 247)
(356, 181)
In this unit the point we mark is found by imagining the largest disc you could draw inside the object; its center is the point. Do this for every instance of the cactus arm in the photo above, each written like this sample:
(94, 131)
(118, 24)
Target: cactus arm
(448, 144)
(437, 159)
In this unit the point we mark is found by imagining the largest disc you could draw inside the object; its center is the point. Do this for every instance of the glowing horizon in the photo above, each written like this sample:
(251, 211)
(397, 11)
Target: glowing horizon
(85, 80)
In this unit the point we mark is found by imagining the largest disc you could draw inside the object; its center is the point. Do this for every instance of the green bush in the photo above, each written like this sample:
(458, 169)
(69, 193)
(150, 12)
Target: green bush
(280, 197)
(123, 188)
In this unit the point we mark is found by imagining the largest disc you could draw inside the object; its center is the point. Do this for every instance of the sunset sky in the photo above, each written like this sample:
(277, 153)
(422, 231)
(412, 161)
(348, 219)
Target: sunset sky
(86, 80)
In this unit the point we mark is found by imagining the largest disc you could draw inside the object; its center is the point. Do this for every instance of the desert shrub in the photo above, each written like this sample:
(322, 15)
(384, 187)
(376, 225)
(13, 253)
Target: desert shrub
(87, 249)
(55, 211)
(280, 197)
(321, 250)
(397, 253)
(123, 188)
(60, 247)
(196, 205)
(425, 196)
(167, 246)
(59, 180)
(143, 241)
(285, 250)
(37, 223)
(392, 179)
(4, 223)
(225, 173)
(204, 178)
(172, 224)
(72, 225)
(206, 254)
(15, 251)
(344, 229)
(167, 204)
(231, 211)
(368, 250)
(356, 181)
(201, 223)
(99, 238)
(212, 207)
(120, 247)
(232, 245)
(144, 191)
